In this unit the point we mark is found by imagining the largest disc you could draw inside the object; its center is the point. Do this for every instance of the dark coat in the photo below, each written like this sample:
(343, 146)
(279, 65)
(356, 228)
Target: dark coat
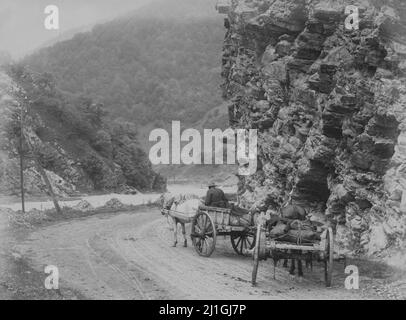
(215, 197)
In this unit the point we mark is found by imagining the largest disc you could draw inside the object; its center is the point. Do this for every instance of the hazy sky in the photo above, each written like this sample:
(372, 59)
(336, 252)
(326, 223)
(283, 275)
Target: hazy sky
(22, 21)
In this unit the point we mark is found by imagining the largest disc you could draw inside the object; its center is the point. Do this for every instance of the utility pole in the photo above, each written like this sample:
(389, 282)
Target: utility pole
(48, 184)
(43, 174)
(22, 158)
(37, 162)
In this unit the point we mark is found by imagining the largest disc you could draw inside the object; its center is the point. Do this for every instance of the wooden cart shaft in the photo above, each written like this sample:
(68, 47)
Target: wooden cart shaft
(185, 218)
(274, 245)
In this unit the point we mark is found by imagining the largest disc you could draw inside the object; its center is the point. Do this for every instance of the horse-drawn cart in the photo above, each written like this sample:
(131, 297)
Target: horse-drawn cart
(320, 250)
(210, 222)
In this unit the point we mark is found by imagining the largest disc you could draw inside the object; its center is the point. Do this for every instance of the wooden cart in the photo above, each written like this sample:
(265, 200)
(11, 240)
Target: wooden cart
(211, 222)
(318, 250)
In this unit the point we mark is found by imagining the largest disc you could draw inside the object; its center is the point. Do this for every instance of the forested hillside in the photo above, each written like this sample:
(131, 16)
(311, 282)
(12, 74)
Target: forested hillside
(68, 137)
(146, 67)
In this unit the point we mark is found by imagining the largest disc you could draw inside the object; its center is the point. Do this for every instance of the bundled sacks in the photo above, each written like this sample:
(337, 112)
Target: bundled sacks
(301, 236)
(279, 230)
(295, 231)
(292, 226)
(242, 217)
(293, 212)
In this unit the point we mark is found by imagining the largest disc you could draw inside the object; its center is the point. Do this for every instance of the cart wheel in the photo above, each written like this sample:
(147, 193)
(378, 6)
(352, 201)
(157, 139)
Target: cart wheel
(328, 257)
(258, 253)
(242, 240)
(203, 234)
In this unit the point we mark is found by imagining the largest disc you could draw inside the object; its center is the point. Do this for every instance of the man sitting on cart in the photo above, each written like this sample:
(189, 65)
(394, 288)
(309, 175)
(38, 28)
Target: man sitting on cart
(215, 197)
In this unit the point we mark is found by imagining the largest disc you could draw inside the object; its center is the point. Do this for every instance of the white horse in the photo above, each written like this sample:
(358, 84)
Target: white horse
(186, 205)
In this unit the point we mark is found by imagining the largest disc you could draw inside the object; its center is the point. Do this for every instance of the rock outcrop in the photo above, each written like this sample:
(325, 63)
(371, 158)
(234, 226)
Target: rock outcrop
(329, 104)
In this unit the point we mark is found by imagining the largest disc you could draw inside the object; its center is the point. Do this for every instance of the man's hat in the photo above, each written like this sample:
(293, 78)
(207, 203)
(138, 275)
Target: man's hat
(212, 184)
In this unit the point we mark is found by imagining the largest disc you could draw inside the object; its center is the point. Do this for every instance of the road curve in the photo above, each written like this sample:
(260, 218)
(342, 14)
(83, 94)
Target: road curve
(129, 256)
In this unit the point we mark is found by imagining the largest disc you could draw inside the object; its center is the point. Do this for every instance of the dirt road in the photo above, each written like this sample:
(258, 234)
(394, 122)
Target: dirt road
(128, 256)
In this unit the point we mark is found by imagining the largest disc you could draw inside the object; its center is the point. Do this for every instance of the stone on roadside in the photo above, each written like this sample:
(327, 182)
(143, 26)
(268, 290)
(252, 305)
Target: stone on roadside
(84, 206)
(114, 203)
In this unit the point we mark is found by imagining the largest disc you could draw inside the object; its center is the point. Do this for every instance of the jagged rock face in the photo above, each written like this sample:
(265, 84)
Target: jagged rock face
(330, 108)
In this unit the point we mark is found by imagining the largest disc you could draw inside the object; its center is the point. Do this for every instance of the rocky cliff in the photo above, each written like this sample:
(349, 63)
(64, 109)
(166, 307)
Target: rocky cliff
(68, 137)
(329, 104)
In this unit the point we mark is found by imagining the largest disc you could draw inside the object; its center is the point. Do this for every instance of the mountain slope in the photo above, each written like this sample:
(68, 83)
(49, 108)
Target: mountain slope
(154, 65)
(80, 151)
